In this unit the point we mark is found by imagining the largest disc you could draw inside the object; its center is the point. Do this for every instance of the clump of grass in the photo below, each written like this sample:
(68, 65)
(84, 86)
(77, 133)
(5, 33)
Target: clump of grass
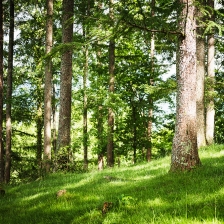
(144, 193)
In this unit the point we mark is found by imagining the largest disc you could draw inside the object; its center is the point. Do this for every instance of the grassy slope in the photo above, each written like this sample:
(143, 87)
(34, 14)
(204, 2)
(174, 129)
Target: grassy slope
(144, 193)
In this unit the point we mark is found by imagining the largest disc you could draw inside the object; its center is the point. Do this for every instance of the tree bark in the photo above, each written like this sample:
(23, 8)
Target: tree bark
(48, 88)
(200, 41)
(184, 151)
(85, 127)
(110, 139)
(9, 97)
(150, 113)
(64, 130)
(1, 96)
(210, 110)
(85, 76)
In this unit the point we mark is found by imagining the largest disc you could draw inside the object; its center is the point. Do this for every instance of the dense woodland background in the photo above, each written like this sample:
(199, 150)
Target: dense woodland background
(87, 83)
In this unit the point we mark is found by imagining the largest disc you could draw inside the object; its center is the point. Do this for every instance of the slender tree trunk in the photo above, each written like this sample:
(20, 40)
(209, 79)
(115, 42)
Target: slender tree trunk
(210, 112)
(1, 95)
(48, 88)
(200, 41)
(39, 126)
(85, 77)
(100, 138)
(54, 128)
(134, 140)
(150, 100)
(9, 96)
(64, 130)
(85, 128)
(110, 140)
(184, 151)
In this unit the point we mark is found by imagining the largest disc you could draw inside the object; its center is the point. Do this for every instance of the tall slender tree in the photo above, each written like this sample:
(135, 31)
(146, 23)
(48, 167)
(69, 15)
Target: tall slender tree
(1, 95)
(48, 87)
(210, 109)
(200, 41)
(9, 96)
(64, 130)
(110, 143)
(184, 151)
(150, 113)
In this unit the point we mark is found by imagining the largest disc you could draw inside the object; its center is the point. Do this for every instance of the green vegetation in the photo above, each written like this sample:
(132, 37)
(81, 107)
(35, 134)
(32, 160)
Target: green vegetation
(143, 193)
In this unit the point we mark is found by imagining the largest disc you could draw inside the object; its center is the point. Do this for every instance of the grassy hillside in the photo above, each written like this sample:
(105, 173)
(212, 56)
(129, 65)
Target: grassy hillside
(140, 194)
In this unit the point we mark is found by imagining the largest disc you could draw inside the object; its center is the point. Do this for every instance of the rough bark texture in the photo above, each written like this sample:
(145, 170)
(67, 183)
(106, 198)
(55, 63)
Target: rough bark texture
(64, 137)
(210, 110)
(48, 88)
(201, 140)
(110, 140)
(185, 152)
(1, 95)
(9, 96)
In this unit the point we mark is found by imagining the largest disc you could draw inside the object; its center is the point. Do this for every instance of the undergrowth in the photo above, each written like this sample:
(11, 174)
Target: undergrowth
(143, 193)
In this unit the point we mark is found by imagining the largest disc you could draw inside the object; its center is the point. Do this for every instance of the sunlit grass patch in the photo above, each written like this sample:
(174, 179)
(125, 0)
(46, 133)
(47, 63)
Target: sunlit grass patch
(141, 193)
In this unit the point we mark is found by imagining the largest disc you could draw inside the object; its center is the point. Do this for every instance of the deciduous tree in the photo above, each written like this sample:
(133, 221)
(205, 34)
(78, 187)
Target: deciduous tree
(185, 151)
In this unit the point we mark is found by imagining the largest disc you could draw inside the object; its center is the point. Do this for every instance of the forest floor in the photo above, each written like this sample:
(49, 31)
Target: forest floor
(138, 194)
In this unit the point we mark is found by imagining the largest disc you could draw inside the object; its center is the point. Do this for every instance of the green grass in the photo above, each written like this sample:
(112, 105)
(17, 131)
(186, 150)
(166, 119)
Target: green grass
(141, 194)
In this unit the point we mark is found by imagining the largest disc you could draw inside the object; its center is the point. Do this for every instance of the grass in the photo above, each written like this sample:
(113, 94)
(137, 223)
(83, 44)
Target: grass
(143, 193)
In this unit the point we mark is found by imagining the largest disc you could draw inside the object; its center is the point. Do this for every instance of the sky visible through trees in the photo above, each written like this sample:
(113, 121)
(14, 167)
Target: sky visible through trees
(117, 80)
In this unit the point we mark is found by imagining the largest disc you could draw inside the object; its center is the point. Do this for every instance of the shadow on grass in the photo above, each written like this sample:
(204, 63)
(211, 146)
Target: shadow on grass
(145, 193)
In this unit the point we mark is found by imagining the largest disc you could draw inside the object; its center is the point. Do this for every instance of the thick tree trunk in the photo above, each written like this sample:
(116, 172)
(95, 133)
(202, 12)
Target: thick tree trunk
(210, 110)
(1, 95)
(64, 130)
(9, 96)
(201, 140)
(185, 152)
(48, 88)
(110, 140)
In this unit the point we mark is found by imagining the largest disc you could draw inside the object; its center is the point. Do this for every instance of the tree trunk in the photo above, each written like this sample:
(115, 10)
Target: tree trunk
(150, 100)
(110, 140)
(200, 41)
(9, 96)
(64, 130)
(210, 110)
(48, 88)
(85, 128)
(39, 126)
(1, 95)
(184, 151)
(134, 139)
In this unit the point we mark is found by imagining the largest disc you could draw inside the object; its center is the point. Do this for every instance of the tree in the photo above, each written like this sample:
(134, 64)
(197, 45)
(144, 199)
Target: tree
(210, 110)
(1, 95)
(200, 49)
(9, 96)
(149, 126)
(48, 87)
(110, 143)
(64, 135)
(184, 151)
